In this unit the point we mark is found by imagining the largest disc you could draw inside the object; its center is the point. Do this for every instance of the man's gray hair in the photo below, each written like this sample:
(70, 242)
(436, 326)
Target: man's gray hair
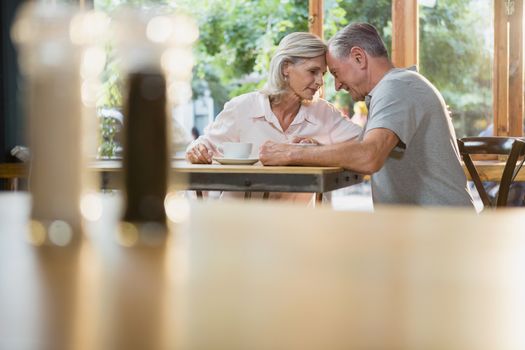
(293, 48)
(362, 35)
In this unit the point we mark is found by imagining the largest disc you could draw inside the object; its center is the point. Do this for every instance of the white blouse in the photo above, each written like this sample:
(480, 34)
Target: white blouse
(249, 118)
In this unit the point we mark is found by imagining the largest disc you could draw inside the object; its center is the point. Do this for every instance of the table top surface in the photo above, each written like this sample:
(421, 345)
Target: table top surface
(488, 170)
(241, 178)
(184, 166)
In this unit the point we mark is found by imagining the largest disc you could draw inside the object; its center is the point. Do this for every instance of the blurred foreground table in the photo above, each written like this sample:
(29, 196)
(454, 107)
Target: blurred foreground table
(267, 276)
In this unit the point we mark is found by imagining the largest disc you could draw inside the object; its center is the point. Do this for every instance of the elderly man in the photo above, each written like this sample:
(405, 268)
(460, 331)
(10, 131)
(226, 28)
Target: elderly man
(408, 144)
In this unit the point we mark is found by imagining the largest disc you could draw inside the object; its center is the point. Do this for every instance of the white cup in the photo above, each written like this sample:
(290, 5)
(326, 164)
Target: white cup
(236, 149)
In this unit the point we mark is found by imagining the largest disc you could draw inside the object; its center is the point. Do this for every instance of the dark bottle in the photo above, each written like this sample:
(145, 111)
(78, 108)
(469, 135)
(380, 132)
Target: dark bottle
(146, 148)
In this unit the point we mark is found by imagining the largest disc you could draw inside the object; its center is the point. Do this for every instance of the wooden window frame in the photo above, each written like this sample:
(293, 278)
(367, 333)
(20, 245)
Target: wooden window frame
(508, 68)
(315, 17)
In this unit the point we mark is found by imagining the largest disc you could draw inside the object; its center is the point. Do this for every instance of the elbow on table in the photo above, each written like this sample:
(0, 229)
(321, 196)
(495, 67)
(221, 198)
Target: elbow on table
(371, 165)
(367, 170)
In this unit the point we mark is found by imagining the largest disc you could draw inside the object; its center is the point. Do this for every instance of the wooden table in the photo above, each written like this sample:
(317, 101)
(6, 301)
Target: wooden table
(243, 178)
(265, 276)
(488, 170)
(492, 170)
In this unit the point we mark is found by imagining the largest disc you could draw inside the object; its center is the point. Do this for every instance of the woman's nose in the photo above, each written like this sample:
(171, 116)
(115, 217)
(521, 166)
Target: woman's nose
(319, 80)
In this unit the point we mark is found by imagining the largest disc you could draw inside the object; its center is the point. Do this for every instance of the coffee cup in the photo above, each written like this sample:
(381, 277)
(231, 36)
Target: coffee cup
(236, 149)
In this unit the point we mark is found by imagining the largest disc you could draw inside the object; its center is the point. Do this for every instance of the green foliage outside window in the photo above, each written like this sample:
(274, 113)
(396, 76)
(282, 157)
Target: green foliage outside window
(456, 44)
(236, 41)
(237, 38)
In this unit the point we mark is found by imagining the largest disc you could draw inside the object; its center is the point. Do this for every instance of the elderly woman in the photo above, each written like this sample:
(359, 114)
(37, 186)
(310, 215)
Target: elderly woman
(286, 110)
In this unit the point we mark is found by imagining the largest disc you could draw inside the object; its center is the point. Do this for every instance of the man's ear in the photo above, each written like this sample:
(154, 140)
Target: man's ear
(358, 55)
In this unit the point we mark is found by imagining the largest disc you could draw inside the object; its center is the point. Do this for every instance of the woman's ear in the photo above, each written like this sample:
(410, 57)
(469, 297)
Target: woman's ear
(285, 70)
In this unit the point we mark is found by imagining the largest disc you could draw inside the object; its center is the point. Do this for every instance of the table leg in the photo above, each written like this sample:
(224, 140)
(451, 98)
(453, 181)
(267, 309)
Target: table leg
(199, 194)
(12, 184)
(318, 198)
(105, 181)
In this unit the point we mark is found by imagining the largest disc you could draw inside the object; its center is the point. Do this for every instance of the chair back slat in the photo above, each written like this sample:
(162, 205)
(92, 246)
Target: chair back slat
(518, 149)
(474, 174)
(511, 146)
(488, 145)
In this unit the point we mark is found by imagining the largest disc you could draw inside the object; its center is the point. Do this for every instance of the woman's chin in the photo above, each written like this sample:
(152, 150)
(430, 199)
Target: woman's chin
(309, 96)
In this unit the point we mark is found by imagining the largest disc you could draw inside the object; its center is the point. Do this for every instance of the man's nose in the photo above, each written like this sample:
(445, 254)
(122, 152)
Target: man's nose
(337, 85)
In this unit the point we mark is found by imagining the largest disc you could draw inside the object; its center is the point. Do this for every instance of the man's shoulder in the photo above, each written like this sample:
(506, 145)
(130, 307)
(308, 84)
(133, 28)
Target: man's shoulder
(404, 83)
(399, 77)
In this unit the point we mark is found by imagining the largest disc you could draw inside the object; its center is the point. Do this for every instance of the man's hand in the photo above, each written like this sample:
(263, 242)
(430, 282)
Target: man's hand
(272, 153)
(199, 155)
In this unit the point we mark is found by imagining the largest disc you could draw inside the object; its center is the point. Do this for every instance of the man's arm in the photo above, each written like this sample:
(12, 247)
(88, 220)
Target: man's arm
(365, 157)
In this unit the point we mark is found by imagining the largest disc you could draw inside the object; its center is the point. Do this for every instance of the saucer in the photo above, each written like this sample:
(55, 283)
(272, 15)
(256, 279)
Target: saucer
(305, 144)
(236, 161)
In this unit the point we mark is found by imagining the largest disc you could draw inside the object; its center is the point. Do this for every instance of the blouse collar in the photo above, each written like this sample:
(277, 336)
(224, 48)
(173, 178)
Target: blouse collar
(303, 115)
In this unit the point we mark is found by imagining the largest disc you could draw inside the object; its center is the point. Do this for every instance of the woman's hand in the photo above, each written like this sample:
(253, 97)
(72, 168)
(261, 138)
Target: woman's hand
(199, 154)
(306, 140)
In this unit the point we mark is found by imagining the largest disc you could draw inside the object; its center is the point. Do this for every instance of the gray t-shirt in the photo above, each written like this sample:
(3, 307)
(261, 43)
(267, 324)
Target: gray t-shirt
(424, 168)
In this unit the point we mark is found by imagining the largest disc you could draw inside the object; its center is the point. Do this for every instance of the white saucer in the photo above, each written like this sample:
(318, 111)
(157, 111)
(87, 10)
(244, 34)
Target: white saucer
(236, 161)
(305, 144)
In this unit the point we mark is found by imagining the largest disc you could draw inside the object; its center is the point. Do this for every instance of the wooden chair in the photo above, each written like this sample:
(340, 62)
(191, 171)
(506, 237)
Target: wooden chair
(497, 145)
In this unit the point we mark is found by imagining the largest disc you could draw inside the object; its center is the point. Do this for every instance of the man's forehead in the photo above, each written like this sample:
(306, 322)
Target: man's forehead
(331, 56)
(333, 63)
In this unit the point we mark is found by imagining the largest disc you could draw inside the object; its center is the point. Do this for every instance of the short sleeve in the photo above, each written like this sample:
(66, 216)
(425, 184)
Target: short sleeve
(389, 109)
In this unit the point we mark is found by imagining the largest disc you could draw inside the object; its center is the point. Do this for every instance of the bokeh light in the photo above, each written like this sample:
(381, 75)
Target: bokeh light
(177, 208)
(36, 235)
(159, 29)
(91, 207)
(127, 234)
(60, 233)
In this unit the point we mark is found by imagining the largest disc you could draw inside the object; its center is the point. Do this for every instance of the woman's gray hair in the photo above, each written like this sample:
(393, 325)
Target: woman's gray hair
(293, 48)
(362, 35)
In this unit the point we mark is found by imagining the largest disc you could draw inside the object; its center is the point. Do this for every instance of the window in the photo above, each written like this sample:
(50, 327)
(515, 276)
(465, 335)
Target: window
(456, 55)
(232, 55)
